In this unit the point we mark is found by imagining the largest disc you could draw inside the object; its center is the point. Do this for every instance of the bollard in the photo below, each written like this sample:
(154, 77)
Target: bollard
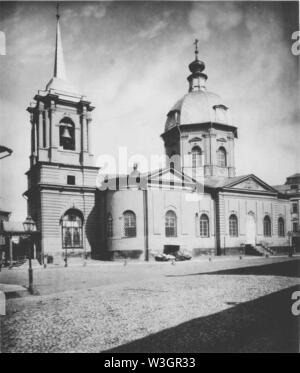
(2, 304)
(2, 313)
(45, 258)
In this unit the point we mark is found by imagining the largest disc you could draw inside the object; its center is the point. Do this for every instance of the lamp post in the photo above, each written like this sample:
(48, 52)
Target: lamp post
(290, 235)
(30, 227)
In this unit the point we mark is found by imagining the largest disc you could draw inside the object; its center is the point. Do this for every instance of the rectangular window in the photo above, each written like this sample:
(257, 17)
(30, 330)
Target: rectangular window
(129, 224)
(170, 232)
(233, 231)
(204, 230)
(295, 208)
(295, 227)
(130, 232)
(170, 224)
(71, 180)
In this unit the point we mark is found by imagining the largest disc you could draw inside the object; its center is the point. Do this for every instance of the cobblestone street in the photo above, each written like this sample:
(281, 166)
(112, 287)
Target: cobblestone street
(197, 306)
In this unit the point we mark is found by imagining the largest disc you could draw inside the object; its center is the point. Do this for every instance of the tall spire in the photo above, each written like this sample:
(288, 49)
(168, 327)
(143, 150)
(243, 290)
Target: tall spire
(59, 63)
(59, 81)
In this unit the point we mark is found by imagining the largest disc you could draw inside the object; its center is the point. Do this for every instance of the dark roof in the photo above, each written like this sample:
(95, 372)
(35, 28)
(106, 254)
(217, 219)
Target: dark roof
(282, 188)
(2, 211)
(295, 175)
(5, 149)
(229, 182)
(221, 182)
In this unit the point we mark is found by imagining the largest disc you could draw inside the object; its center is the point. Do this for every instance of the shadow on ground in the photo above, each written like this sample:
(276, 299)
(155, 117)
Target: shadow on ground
(287, 269)
(265, 324)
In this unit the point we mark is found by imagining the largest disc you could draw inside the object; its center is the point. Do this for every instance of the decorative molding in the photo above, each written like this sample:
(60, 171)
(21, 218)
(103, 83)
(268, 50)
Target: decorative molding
(221, 106)
(206, 212)
(249, 184)
(195, 139)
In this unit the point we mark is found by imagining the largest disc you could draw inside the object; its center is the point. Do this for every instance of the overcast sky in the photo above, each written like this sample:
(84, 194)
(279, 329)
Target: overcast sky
(131, 60)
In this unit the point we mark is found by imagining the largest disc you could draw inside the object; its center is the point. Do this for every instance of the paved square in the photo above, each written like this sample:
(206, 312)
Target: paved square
(225, 305)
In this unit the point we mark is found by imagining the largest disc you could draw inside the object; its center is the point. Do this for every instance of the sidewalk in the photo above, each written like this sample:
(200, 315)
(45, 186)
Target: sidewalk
(56, 279)
(75, 262)
(12, 290)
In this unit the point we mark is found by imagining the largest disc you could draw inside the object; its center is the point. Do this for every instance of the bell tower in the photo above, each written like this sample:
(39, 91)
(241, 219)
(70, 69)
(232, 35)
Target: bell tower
(60, 118)
(61, 175)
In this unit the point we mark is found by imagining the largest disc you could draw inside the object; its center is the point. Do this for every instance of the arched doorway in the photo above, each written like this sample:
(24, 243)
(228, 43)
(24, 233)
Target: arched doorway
(250, 229)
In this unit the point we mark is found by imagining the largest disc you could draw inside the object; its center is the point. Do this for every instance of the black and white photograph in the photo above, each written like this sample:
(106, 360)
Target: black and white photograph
(149, 179)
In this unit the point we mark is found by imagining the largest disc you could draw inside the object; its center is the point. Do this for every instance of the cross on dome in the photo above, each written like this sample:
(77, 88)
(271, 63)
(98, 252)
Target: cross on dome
(196, 48)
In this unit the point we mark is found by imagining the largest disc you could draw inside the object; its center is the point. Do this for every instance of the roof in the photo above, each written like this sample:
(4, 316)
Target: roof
(13, 226)
(250, 183)
(5, 149)
(294, 175)
(161, 178)
(282, 188)
(221, 182)
(173, 179)
(2, 211)
(5, 152)
(198, 107)
(287, 190)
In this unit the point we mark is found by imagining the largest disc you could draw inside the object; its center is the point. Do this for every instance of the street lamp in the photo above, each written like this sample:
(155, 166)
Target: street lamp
(29, 227)
(29, 224)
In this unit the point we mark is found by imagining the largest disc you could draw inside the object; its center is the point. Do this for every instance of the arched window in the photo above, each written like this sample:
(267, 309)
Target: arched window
(67, 134)
(280, 227)
(109, 227)
(174, 160)
(72, 229)
(129, 224)
(171, 224)
(196, 157)
(267, 226)
(204, 225)
(222, 161)
(233, 226)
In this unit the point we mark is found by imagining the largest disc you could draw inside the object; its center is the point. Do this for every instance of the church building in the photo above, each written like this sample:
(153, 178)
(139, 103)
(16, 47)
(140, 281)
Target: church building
(196, 204)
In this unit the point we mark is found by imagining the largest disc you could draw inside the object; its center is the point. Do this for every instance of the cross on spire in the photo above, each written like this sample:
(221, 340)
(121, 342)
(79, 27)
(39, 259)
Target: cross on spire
(57, 11)
(196, 48)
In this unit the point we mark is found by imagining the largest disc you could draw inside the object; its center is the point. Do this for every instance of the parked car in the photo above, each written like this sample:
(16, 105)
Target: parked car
(164, 257)
(180, 256)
